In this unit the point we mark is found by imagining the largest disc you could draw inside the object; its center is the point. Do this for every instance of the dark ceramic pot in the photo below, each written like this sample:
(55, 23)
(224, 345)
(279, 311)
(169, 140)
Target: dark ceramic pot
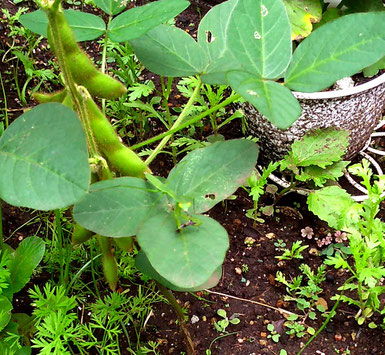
(356, 109)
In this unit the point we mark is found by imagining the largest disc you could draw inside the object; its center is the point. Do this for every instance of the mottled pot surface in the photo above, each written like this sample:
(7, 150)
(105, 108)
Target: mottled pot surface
(357, 109)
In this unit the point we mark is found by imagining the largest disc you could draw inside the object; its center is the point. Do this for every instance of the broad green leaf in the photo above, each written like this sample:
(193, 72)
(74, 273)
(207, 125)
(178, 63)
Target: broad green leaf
(142, 263)
(5, 311)
(213, 38)
(117, 208)
(85, 26)
(208, 175)
(44, 159)
(23, 262)
(330, 204)
(323, 57)
(187, 257)
(302, 14)
(170, 51)
(139, 20)
(110, 7)
(259, 37)
(320, 148)
(271, 99)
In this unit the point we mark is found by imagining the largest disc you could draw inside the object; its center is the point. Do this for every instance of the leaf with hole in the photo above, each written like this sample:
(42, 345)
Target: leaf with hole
(323, 58)
(271, 99)
(116, 208)
(259, 36)
(208, 175)
(39, 168)
(139, 20)
(186, 257)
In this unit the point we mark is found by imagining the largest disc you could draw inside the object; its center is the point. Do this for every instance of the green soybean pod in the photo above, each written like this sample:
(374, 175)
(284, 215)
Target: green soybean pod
(82, 68)
(43, 98)
(126, 243)
(110, 267)
(120, 157)
(80, 234)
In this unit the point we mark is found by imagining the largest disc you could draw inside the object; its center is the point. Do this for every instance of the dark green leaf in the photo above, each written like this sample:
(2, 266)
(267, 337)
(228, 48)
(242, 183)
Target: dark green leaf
(323, 57)
(188, 257)
(142, 263)
(110, 7)
(85, 26)
(271, 99)
(44, 159)
(363, 5)
(139, 20)
(117, 208)
(209, 175)
(170, 51)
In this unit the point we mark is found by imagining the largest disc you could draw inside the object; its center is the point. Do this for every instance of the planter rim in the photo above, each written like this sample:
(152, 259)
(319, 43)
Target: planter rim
(341, 93)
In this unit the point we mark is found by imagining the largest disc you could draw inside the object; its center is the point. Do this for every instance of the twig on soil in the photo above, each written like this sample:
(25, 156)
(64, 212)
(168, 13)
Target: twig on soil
(254, 302)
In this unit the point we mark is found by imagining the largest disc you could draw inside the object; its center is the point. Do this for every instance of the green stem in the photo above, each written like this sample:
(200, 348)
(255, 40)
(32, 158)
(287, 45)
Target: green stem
(176, 124)
(178, 309)
(104, 59)
(59, 236)
(1, 228)
(224, 103)
(5, 101)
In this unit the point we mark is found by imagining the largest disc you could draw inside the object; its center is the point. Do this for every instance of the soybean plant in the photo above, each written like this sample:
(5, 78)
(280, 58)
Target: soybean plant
(65, 153)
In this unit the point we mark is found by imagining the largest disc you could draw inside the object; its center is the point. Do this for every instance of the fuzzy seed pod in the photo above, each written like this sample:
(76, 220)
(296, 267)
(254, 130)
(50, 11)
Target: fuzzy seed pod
(43, 98)
(126, 243)
(80, 235)
(110, 267)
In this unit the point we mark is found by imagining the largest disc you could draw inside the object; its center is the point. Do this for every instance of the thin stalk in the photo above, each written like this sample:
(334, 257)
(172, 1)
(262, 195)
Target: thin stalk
(59, 236)
(104, 58)
(5, 101)
(176, 124)
(178, 310)
(93, 273)
(224, 103)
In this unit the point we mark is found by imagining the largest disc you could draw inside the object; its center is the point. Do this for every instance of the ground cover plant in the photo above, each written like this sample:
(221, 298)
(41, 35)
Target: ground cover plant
(160, 223)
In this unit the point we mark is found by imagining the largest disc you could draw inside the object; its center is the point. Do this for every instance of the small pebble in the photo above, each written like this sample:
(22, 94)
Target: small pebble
(194, 319)
(270, 235)
(329, 329)
(238, 270)
(338, 337)
(329, 278)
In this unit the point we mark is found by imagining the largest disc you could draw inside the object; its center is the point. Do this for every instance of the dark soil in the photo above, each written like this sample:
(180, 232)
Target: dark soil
(258, 284)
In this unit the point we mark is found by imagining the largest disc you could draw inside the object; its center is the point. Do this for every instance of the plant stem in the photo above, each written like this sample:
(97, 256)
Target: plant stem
(224, 103)
(182, 323)
(59, 236)
(1, 229)
(104, 57)
(5, 101)
(176, 124)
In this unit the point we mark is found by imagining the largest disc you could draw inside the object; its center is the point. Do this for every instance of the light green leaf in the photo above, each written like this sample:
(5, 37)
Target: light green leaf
(259, 37)
(271, 99)
(170, 51)
(323, 58)
(85, 26)
(208, 175)
(330, 204)
(188, 257)
(142, 263)
(213, 38)
(373, 69)
(116, 208)
(110, 7)
(44, 159)
(23, 262)
(222, 313)
(302, 14)
(139, 20)
(5, 311)
(321, 175)
(320, 148)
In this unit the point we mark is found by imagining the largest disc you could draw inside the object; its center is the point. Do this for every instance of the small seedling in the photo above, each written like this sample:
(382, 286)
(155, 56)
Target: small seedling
(222, 324)
(294, 253)
(273, 333)
(279, 245)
